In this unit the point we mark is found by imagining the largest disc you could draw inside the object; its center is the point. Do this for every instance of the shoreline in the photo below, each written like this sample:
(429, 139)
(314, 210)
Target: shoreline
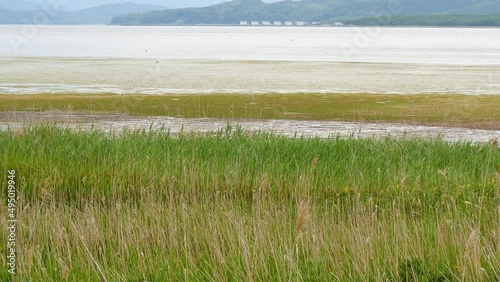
(113, 123)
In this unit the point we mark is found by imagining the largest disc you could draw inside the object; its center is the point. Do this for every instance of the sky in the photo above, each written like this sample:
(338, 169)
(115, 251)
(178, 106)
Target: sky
(81, 4)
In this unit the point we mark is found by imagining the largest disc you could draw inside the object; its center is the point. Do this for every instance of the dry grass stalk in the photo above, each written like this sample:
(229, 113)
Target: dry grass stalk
(257, 195)
(302, 218)
(314, 162)
(264, 182)
(494, 143)
(96, 264)
(402, 183)
(473, 252)
(17, 134)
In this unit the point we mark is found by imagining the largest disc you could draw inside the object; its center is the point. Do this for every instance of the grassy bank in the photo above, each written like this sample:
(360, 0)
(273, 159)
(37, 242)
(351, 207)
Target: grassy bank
(250, 207)
(456, 110)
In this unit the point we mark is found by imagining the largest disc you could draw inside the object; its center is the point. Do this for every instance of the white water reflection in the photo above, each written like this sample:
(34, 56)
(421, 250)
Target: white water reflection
(462, 46)
(153, 60)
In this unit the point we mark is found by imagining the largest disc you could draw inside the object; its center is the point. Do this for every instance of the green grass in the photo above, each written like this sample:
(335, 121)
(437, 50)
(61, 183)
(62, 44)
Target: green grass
(238, 206)
(459, 110)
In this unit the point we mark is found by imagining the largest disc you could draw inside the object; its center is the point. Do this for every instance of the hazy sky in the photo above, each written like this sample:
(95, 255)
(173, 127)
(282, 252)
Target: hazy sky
(79, 4)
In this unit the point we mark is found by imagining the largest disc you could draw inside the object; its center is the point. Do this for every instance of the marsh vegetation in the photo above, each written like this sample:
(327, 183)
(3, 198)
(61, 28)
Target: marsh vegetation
(450, 110)
(235, 205)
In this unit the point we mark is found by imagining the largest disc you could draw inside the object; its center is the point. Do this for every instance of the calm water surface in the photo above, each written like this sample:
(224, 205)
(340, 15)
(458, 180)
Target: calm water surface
(401, 45)
(151, 60)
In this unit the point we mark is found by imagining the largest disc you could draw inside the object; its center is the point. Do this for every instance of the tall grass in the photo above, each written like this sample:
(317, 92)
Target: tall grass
(233, 205)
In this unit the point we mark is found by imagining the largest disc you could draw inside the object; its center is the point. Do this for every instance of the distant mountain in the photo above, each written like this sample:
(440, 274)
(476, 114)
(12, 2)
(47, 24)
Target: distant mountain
(305, 10)
(357, 12)
(74, 5)
(489, 8)
(95, 15)
(12, 17)
(102, 14)
(18, 5)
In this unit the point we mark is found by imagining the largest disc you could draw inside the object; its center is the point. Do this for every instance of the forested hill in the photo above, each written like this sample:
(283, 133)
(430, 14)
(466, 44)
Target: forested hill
(308, 10)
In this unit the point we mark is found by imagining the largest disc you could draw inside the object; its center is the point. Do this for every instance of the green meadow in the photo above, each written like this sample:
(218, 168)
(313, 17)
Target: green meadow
(251, 206)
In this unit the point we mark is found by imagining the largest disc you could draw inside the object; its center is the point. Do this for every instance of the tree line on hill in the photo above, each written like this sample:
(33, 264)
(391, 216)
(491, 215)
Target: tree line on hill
(361, 12)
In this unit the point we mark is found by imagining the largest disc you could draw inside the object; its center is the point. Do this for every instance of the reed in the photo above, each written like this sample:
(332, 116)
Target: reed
(243, 206)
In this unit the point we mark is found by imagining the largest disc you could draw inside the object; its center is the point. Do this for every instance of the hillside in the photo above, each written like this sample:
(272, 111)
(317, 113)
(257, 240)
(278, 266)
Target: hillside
(491, 8)
(75, 5)
(95, 15)
(12, 17)
(355, 12)
(102, 14)
(306, 10)
(428, 20)
(18, 5)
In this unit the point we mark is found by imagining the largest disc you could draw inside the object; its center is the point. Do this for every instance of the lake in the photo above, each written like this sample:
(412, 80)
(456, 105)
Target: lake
(153, 60)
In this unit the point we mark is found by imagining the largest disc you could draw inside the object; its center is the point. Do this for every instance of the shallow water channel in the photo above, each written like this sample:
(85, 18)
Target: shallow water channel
(290, 128)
